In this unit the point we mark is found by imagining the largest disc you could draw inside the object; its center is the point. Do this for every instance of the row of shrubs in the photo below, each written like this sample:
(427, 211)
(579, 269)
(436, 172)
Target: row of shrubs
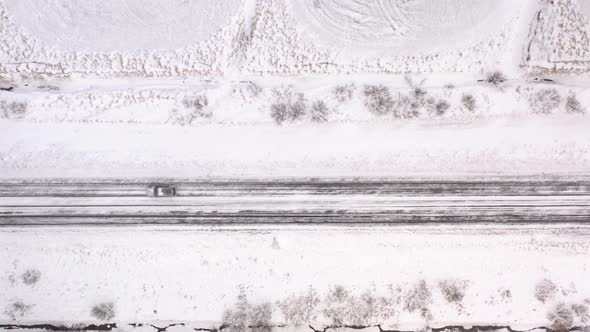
(291, 106)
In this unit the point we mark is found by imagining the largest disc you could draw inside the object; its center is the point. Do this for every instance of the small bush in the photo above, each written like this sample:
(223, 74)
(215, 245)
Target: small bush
(419, 93)
(14, 110)
(419, 299)
(469, 102)
(545, 101)
(17, 309)
(197, 105)
(247, 91)
(369, 309)
(193, 109)
(345, 308)
(336, 305)
(319, 112)
(496, 78)
(581, 311)
(103, 311)
(48, 87)
(573, 105)
(237, 318)
(288, 106)
(505, 294)
(378, 99)
(260, 316)
(344, 93)
(244, 315)
(442, 107)
(31, 277)
(545, 290)
(300, 309)
(405, 108)
(561, 318)
(453, 290)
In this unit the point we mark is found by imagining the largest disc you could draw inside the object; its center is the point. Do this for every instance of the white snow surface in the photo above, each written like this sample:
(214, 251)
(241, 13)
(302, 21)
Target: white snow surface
(194, 89)
(126, 25)
(195, 273)
(144, 128)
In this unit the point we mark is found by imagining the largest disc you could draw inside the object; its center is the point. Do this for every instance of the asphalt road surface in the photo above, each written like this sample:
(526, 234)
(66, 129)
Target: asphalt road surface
(55, 202)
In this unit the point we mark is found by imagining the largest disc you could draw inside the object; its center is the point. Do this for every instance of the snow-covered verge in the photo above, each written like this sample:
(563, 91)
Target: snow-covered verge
(543, 146)
(293, 101)
(403, 277)
(322, 126)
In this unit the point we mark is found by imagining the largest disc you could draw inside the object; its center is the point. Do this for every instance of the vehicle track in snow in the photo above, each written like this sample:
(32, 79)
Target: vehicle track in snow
(352, 201)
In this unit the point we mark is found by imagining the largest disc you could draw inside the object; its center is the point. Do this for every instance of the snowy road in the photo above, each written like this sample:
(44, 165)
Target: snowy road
(305, 201)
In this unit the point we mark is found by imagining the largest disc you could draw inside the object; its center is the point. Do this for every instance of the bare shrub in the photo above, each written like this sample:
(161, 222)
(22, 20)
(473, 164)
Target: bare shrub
(103, 311)
(247, 91)
(441, 107)
(336, 305)
(279, 113)
(369, 309)
(418, 101)
(545, 101)
(193, 108)
(505, 294)
(469, 102)
(14, 110)
(244, 315)
(345, 308)
(573, 105)
(545, 290)
(300, 309)
(496, 78)
(197, 105)
(237, 318)
(453, 290)
(405, 108)
(31, 277)
(260, 317)
(288, 106)
(344, 93)
(410, 82)
(319, 111)
(421, 102)
(561, 318)
(17, 309)
(48, 87)
(419, 93)
(275, 245)
(581, 311)
(419, 299)
(378, 99)
(362, 309)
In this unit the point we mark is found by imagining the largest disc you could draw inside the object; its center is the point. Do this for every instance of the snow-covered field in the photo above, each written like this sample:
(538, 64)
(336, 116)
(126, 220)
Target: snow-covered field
(290, 89)
(405, 277)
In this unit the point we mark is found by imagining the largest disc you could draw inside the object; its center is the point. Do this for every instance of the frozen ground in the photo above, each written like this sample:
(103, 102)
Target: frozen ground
(320, 275)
